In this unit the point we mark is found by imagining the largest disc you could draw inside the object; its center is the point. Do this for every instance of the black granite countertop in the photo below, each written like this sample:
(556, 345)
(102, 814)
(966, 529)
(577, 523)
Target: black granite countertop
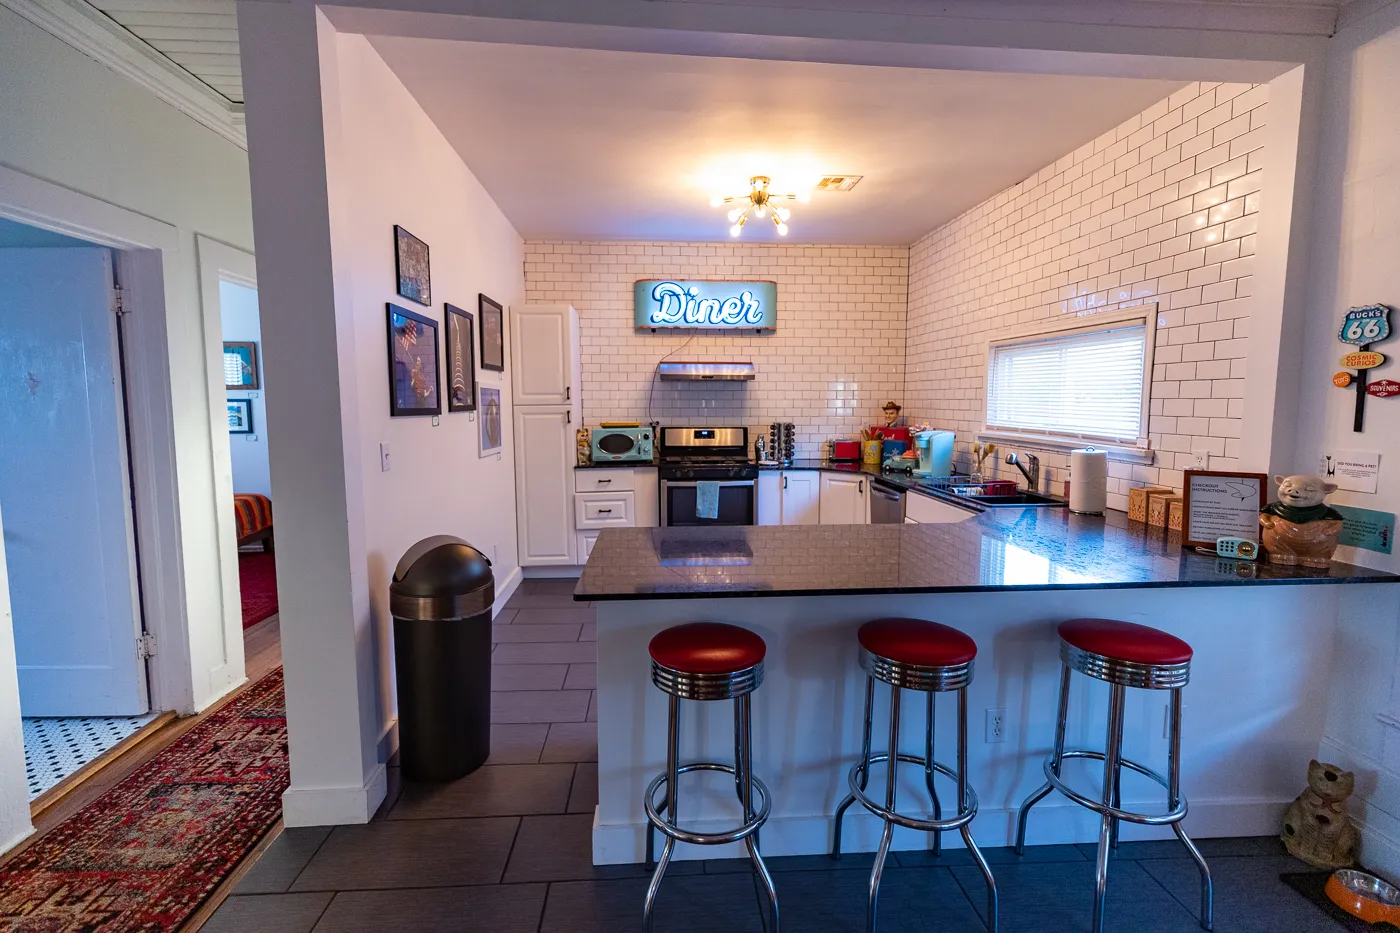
(619, 465)
(997, 549)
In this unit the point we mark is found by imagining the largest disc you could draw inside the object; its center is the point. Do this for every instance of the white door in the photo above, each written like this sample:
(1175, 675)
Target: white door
(64, 487)
(801, 497)
(843, 500)
(542, 341)
(544, 502)
(770, 501)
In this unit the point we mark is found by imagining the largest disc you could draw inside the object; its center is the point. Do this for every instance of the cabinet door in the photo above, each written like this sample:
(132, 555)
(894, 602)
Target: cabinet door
(541, 345)
(843, 500)
(770, 498)
(544, 501)
(928, 510)
(801, 497)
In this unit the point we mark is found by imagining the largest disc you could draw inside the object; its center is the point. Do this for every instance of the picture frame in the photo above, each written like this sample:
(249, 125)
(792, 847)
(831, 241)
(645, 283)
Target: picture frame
(461, 359)
(493, 334)
(412, 268)
(415, 363)
(492, 435)
(1218, 504)
(240, 365)
(240, 416)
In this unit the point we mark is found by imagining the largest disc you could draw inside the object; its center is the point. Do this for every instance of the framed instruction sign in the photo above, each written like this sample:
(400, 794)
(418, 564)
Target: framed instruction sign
(1221, 505)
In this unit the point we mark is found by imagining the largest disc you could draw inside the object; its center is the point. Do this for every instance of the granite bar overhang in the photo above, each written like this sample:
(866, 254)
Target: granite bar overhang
(1024, 549)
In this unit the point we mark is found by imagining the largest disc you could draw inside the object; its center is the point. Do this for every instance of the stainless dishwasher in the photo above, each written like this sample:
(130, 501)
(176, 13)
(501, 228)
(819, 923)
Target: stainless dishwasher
(886, 504)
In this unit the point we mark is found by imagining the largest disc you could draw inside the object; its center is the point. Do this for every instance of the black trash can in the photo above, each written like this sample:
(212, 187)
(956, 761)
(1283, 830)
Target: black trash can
(441, 602)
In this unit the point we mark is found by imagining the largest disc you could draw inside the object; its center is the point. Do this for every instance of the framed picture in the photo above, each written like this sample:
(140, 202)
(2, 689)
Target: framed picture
(240, 416)
(491, 437)
(461, 361)
(493, 334)
(411, 265)
(415, 377)
(1217, 504)
(240, 365)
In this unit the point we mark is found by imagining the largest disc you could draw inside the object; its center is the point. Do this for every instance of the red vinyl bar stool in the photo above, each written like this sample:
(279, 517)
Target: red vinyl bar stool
(707, 661)
(1125, 655)
(913, 654)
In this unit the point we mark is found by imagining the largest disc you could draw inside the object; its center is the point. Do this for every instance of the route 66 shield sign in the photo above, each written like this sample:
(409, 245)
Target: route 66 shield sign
(1365, 325)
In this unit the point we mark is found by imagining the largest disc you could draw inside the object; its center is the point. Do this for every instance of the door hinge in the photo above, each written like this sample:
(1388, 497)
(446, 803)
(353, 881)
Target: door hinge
(118, 304)
(145, 646)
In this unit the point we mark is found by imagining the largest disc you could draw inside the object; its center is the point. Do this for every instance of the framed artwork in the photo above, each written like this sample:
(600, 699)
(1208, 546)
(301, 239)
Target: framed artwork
(493, 334)
(461, 361)
(415, 378)
(240, 365)
(1218, 504)
(411, 266)
(240, 416)
(492, 439)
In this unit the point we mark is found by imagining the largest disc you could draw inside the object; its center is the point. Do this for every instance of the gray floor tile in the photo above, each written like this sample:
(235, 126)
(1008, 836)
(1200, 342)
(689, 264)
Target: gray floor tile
(522, 600)
(504, 617)
(539, 706)
(560, 848)
(495, 790)
(910, 901)
(506, 634)
(997, 855)
(589, 632)
(550, 586)
(501, 909)
(577, 652)
(581, 677)
(508, 677)
(1172, 848)
(283, 860)
(1249, 897)
(559, 615)
(571, 741)
(410, 853)
(517, 743)
(694, 903)
(852, 861)
(583, 797)
(268, 913)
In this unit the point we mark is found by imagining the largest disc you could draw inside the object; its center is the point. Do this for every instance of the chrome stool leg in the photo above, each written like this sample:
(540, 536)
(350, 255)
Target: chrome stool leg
(673, 743)
(1111, 759)
(928, 775)
(744, 764)
(1061, 720)
(864, 768)
(963, 805)
(891, 783)
(1207, 918)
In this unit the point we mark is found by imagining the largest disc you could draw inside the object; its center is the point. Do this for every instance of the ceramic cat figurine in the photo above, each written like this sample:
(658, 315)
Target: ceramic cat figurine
(1300, 528)
(1316, 828)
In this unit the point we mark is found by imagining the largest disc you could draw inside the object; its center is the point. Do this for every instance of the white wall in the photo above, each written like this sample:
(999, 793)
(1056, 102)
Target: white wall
(238, 305)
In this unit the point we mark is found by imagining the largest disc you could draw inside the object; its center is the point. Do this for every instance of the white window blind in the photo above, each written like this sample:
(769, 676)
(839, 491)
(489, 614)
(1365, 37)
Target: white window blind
(1086, 384)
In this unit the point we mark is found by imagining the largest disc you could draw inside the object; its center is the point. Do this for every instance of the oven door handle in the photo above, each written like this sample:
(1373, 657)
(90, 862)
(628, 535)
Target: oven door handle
(667, 483)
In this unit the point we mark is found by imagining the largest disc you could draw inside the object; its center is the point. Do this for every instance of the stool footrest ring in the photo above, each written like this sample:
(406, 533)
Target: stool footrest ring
(1163, 819)
(705, 839)
(965, 813)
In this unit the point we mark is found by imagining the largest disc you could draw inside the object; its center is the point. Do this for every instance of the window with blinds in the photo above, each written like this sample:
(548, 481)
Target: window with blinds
(1088, 384)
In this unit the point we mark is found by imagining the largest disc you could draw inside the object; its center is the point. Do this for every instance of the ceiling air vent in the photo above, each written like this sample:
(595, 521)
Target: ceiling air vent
(838, 182)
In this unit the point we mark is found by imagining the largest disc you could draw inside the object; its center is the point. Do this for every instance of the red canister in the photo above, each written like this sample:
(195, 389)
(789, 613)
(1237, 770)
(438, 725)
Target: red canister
(845, 450)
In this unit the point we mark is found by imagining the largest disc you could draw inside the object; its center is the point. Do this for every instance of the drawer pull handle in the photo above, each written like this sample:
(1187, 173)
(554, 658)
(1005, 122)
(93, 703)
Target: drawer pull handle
(602, 481)
(605, 511)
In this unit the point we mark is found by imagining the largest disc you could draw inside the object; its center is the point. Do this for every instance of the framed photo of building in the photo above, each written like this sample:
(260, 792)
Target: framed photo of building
(493, 334)
(240, 416)
(411, 266)
(461, 360)
(492, 438)
(415, 377)
(240, 365)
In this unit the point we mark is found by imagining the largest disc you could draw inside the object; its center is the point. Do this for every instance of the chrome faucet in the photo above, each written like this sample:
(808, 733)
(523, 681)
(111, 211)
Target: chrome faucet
(1032, 474)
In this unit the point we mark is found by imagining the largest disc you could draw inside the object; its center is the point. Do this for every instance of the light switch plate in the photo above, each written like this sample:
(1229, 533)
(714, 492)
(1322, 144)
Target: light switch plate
(1200, 459)
(384, 458)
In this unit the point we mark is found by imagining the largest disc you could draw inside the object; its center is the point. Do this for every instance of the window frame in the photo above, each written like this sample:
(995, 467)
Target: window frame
(1141, 452)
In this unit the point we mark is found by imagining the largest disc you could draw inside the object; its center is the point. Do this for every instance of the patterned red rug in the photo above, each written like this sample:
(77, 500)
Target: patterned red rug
(257, 579)
(146, 854)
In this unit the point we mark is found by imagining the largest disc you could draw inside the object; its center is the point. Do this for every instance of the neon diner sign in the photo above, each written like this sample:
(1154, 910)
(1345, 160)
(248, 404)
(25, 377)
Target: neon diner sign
(664, 303)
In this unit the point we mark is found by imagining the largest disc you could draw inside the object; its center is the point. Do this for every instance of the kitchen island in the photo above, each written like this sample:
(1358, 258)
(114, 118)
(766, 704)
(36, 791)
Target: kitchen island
(1266, 641)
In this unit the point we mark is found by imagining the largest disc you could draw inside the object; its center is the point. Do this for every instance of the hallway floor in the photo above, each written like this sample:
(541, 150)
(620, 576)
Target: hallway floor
(508, 848)
(54, 747)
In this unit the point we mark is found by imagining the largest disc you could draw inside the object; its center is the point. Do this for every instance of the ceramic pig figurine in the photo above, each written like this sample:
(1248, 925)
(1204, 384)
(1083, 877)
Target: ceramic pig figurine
(1316, 828)
(1300, 528)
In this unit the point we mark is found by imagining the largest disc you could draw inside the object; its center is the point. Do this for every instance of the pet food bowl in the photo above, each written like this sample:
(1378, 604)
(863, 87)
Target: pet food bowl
(1365, 896)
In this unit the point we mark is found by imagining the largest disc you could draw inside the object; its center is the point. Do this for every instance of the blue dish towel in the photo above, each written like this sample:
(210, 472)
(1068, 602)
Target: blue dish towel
(707, 500)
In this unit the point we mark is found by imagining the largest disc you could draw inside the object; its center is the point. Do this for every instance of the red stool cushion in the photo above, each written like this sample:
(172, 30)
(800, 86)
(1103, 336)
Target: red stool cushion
(917, 641)
(1125, 641)
(707, 648)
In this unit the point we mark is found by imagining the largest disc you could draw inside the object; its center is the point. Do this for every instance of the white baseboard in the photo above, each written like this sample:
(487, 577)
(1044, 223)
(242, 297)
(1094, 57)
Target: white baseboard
(563, 572)
(1049, 824)
(16, 839)
(335, 806)
(505, 589)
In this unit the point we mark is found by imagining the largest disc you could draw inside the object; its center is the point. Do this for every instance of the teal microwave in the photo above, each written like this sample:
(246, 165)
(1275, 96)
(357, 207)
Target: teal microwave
(622, 445)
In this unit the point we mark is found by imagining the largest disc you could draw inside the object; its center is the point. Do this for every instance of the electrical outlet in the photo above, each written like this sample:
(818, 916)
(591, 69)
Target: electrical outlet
(1200, 459)
(996, 725)
(384, 458)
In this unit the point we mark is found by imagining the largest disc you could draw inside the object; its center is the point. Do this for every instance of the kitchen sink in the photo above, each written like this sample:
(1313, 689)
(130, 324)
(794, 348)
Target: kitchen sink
(1018, 500)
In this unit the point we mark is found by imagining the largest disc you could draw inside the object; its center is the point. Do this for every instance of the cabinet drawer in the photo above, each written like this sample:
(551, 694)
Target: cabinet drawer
(586, 540)
(604, 510)
(596, 479)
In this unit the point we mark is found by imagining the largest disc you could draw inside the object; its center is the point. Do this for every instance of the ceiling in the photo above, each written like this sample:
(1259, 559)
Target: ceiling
(201, 36)
(585, 144)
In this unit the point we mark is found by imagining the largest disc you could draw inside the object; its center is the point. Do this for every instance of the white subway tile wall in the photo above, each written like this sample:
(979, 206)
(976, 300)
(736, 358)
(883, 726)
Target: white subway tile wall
(837, 355)
(1161, 209)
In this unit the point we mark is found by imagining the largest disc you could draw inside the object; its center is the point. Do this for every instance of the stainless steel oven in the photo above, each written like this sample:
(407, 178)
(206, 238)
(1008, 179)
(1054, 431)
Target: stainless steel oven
(691, 456)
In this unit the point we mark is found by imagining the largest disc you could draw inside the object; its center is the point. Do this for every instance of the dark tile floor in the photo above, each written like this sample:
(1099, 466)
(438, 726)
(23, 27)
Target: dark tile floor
(508, 848)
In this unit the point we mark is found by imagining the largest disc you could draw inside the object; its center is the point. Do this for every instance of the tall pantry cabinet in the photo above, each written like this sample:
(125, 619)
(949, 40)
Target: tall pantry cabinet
(545, 365)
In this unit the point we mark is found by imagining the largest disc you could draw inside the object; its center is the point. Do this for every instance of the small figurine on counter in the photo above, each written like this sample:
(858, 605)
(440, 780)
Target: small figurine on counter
(1300, 528)
(584, 439)
(891, 410)
(1316, 828)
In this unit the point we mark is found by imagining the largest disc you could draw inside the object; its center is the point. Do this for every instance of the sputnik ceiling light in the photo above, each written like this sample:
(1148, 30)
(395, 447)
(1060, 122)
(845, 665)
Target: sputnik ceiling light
(759, 202)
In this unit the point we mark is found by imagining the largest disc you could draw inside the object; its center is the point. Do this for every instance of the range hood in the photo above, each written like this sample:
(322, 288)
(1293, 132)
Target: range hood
(709, 372)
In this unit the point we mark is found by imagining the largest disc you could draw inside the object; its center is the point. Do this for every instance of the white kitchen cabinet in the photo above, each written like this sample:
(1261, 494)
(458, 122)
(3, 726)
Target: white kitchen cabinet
(770, 498)
(544, 460)
(922, 509)
(604, 510)
(844, 499)
(584, 545)
(545, 354)
(801, 497)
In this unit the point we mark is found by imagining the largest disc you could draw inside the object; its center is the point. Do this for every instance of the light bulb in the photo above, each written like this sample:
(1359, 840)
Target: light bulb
(782, 229)
(783, 213)
(804, 196)
(760, 211)
(734, 214)
(734, 230)
(716, 200)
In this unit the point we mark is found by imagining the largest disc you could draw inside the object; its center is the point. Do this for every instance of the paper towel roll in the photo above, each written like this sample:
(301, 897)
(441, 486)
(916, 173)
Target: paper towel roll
(1088, 482)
